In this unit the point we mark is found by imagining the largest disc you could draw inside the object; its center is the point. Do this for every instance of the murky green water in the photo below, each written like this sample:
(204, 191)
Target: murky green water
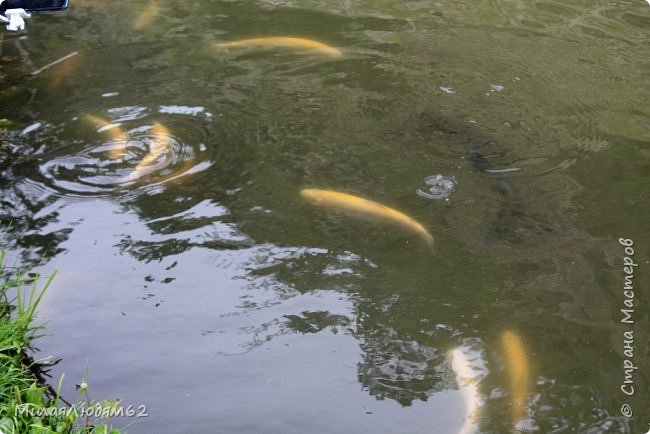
(205, 288)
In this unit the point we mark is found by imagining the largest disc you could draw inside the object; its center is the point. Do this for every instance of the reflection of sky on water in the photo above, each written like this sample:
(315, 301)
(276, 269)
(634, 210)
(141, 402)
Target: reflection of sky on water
(168, 277)
(216, 325)
(250, 326)
(172, 276)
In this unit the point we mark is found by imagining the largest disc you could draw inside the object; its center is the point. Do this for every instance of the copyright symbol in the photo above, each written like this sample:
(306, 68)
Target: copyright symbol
(626, 410)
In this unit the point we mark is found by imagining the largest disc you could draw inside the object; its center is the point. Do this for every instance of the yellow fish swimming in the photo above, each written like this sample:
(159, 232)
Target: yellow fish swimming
(467, 379)
(283, 41)
(116, 133)
(366, 208)
(519, 373)
(145, 17)
(159, 144)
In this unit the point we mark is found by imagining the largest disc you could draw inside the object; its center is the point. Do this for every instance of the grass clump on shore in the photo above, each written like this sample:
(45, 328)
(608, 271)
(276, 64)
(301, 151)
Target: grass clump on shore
(25, 405)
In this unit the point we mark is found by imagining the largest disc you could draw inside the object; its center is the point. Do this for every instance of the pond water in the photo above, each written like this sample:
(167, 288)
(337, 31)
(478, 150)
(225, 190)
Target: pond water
(160, 173)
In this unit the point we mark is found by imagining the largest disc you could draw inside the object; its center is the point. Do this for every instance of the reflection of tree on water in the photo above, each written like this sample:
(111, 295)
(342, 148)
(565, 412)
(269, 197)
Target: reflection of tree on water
(25, 209)
(404, 333)
(403, 358)
(510, 250)
(528, 265)
(408, 309)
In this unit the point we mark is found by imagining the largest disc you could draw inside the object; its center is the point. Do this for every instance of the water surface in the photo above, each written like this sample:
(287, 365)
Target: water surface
(209, 291)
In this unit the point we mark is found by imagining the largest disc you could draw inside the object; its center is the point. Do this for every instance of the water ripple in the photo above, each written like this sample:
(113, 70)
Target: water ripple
(129, 161)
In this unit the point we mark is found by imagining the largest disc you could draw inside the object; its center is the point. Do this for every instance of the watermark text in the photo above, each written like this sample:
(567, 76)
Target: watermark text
(97, 410)
(627, 318)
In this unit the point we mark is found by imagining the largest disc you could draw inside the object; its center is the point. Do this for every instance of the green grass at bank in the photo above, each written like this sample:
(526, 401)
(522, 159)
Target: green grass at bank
(25, 407)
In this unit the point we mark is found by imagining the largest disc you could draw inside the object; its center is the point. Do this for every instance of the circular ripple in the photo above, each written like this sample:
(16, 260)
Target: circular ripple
(438, 187)
(138, 158)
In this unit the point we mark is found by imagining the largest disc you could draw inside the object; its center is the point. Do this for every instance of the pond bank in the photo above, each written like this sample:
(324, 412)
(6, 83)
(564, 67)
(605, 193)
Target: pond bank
(26, 404)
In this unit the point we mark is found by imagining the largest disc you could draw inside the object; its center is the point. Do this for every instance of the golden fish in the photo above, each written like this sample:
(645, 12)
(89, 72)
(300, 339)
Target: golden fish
(116, 133)
(368, 208)
(146, 16)
(159, 144)
(467, 380)
(283, 41)
(519, 373)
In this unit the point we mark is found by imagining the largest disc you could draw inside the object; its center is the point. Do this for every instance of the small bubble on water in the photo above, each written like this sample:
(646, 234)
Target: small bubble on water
(438, 187)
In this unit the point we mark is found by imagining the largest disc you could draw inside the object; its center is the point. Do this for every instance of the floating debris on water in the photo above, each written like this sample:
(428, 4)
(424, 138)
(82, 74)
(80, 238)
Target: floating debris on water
(503, 170)
(438, 187)
(30, 128)
(181, 109)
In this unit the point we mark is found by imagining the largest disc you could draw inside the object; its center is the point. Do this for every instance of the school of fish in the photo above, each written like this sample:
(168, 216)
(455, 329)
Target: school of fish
(517, 365)
(160, 143)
